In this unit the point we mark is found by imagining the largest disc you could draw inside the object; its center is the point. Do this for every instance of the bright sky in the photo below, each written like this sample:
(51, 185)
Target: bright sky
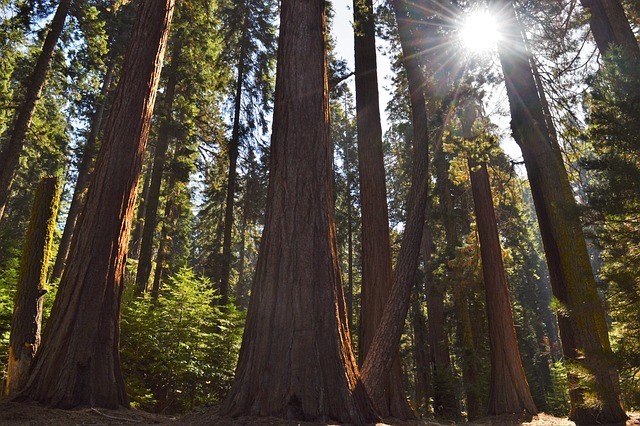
(474, 34)
(343, 34)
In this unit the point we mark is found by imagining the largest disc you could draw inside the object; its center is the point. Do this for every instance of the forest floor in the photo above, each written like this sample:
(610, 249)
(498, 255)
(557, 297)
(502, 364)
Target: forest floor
(34, 415)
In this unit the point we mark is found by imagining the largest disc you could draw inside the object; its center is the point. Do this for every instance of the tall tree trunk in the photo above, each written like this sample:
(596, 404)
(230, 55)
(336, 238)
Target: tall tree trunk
(509, 390)
(234, 146)
(296, 359)
(444, 399)
(84, 172)
(377, 272)
(422, 347)
(583, 328)
(163, 249)
(152, 200)
(136, 235)
(241, 288)
(78, 362)
(470, 369)
(27, 312)
(387, 338)
(10, 158)
(610, 26)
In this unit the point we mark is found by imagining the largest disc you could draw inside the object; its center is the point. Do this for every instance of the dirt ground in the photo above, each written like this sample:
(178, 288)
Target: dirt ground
(34, 415)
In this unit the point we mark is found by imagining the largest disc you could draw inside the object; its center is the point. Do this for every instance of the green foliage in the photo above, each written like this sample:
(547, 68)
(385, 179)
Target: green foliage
(179, 351)
(558, 397)
(613, 196)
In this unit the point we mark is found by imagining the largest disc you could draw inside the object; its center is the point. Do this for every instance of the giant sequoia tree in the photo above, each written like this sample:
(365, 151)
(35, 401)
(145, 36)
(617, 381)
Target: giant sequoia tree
(296, 359)
(594, 389)
(78, 363)
(509, 391)
(377, 272)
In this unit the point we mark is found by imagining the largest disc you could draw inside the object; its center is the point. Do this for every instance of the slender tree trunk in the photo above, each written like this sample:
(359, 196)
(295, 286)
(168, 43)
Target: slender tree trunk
(296, 359)
(84, 172)
(444, 398)
(241, 288)
(136, 237)
(78, 363)
(10, 158)
(387, 338)
(27, 312)
(163, 249)
(350, 254)
(233, 148)
(469, 365)
(377, 272)
(610, 26)
(509, 390)
(152, 200)
(422, 347)
(583, 328)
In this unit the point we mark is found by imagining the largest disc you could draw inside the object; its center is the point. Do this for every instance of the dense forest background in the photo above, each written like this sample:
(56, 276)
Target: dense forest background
(502, 237)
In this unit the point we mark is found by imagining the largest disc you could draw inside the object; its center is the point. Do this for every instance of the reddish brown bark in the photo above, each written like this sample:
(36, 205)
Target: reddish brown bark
(234, 145)
(610, 27)
(27, 312)
(10, 158)
(78, 363)
(377, 272)
(84, 172)
(152, 198)
(509, 390)
(582, 324)
(387, 338)
(296, 360)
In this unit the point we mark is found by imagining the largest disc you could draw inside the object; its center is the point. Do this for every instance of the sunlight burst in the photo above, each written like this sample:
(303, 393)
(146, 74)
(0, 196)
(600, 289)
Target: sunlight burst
(479, 32)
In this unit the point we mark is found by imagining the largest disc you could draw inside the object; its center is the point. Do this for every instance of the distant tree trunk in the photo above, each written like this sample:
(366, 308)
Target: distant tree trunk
(234, 146)
(422, 347)
(152, 199)
(468, 359)
(296, 360)
(509, 390)
(377, 272)
(136, 236)
(350, 255)
(27, 312)
(84, 172)
(610, 26)
(10, 158)
(444, 399)
(583, 328)
(241, 288)
(163, 249)
(78, 363)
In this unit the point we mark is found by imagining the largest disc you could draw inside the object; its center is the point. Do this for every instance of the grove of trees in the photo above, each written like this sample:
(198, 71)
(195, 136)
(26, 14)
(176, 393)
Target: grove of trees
(203, 202)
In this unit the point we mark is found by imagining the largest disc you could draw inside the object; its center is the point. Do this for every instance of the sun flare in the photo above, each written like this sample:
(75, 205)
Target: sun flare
(479, 32)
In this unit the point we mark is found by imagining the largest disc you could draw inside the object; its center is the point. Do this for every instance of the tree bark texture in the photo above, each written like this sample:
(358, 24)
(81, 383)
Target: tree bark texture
(84, 173)
(377, 271)
(78, 363)
(387, 338)
(296, 360)
(509, 390)
(610, 26)
(233, 149)
(157, 173)
(27, 312)
(583, 328)
(10, 158)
